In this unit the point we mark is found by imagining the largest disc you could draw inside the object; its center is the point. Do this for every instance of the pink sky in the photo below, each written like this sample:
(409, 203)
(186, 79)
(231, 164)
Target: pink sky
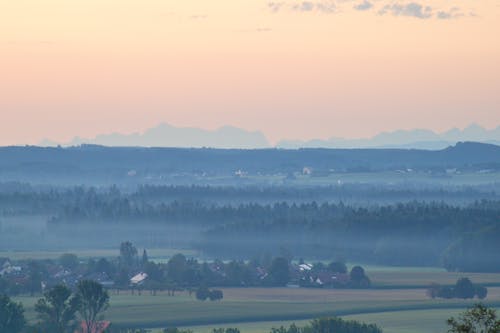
(304, 70)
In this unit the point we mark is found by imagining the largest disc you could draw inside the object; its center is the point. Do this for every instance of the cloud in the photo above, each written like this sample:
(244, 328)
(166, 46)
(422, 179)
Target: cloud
(198, 17)
(275, 6)
(365, 5)
(411, 9)
(304, 6)
(383, 7)
(451, 14)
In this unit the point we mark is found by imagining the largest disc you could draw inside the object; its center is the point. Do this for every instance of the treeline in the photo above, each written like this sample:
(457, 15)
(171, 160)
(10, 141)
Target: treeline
(458, 237)
(20, 198)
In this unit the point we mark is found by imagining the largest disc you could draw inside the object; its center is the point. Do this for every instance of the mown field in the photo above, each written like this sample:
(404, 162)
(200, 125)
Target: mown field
(258, 309)
(410, 321)
(264, 304)
(409, 278)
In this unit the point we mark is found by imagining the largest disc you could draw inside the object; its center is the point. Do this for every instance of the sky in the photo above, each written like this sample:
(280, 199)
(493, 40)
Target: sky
(292, 69)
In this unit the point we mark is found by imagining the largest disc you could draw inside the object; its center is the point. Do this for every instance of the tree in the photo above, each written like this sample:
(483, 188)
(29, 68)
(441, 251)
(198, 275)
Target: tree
(104, 266)
(226, 330)
(11, 315)
(175, 330)
(481, 292)
(128, 253)
(153, 271)
(57, 310)
(358, 277)
(279, 273)
(176, 267)
(34, 278)
(92, 300)
(464, 288)
(202, 293)
(216, 295)
(357, 273)
(337, 267)
(69, 261)
(145, 258)
(340, 325)
(478, 319)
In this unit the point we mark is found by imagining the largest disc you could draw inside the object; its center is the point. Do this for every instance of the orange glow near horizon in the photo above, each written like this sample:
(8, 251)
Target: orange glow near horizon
(83, 68)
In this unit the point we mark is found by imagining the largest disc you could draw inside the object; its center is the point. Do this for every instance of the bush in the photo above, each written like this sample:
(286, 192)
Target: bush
(481, 292)
(330, 325)
(358, 278)
(225, 330)
(215, 295)
(337, 267)
(479, 318)
(175, 330)
(464, 288)
(69, 261)
(202, 293)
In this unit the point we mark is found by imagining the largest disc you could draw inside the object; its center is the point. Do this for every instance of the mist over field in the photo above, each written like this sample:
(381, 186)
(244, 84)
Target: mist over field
(391, 207)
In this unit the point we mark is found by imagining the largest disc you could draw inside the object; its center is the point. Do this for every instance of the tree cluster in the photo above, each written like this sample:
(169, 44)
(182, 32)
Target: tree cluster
(463, 288)
(59, 310)
(333, 324)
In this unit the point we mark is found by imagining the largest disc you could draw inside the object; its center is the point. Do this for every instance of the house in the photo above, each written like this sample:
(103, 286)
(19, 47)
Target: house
(307, 171)
(331, 279)
(102, 278)
(138, 279)
(305, 267)
(8, 269)
(101, 326)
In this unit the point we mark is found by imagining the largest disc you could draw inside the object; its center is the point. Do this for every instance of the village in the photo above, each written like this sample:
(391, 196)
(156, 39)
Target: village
(137, 274)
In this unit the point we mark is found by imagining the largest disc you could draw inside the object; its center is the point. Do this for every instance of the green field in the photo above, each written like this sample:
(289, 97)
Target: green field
(259, 309)
(409, 278)
(264, 304)
(411, 321)
(159, 254)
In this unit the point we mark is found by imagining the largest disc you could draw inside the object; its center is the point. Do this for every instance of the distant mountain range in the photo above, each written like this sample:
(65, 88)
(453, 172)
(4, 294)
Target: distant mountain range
(417, 139)
(165, 135)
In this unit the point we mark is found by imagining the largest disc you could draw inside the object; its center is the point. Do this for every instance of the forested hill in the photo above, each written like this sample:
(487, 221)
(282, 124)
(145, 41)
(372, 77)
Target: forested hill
(467, 154)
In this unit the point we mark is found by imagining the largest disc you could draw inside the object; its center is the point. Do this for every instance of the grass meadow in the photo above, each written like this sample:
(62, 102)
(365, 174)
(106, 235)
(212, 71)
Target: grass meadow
(245, 305)
(409, 321)
(398, 301)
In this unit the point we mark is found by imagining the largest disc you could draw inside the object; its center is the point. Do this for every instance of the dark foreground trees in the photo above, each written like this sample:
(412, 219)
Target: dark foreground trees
(11, 315)
(327, 325)
(57, 310)
(92, 300)
(478, 319)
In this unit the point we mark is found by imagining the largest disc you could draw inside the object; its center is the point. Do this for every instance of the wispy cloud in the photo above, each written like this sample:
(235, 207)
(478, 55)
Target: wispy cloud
(275, 6)
(411, 9)
(365, 5)
(450, 14)
(198, 17)
(304, 6)
(425, 10)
